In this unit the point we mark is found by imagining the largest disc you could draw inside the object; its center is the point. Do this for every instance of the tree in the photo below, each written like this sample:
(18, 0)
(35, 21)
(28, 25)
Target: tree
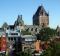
(53, 50)
(8, 54)
(46, 33)
(25, 33)
(24, 53)
(5, 25)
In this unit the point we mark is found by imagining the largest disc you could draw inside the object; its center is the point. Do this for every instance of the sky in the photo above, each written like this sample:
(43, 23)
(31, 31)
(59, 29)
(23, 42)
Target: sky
(10, 9)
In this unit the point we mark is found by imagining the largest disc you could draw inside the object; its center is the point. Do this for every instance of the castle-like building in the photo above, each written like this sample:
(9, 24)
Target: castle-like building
(41, 17)
(40, 20)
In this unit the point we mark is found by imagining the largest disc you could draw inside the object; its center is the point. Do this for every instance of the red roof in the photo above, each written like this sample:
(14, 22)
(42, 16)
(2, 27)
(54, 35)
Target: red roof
(56, 39)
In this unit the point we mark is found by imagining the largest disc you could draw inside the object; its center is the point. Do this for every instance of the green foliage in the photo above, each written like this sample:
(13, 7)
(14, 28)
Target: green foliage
(0, 55)
(38, 36)
(25, 33)
(46, 33)
(8, 55)
(25, 53)
(53, 50)
(5, 25)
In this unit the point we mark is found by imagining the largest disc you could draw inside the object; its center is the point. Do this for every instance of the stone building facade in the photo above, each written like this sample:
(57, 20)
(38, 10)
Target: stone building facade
(19, 23)
(41, 17)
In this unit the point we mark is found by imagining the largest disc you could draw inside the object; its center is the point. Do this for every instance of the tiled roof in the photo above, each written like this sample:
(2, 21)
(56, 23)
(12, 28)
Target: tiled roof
(56, 39)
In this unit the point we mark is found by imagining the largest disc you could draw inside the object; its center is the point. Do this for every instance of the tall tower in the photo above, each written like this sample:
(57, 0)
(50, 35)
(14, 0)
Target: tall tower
(41, 17)
(19, 21)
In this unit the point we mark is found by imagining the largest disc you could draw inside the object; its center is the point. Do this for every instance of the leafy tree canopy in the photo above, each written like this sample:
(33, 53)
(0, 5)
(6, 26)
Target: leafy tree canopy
(46, 33)
(25, 33)
(53, 50)
(5, 25)
(24, 53)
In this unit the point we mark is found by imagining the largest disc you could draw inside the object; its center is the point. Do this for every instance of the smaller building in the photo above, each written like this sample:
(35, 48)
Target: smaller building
(41, 45)
(56, 39)
(14, 40)
(28, 42)
(3, 43)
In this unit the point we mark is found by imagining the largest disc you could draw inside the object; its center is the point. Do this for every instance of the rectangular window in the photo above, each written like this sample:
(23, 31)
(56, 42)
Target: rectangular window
(8, 38)
(28, 39)
(14, 33)
(19, 39)
(12, 39)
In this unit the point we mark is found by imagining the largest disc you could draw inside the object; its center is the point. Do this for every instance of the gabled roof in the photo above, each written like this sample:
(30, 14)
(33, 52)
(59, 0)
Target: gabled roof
(40, 11)
(11, 27)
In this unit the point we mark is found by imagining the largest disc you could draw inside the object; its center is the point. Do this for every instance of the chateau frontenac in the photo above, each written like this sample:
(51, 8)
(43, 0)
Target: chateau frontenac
(40, 20)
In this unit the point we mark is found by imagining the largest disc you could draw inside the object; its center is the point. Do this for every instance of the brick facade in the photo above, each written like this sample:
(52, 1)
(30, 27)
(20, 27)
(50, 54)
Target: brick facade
(3, 43)
(41, 17)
